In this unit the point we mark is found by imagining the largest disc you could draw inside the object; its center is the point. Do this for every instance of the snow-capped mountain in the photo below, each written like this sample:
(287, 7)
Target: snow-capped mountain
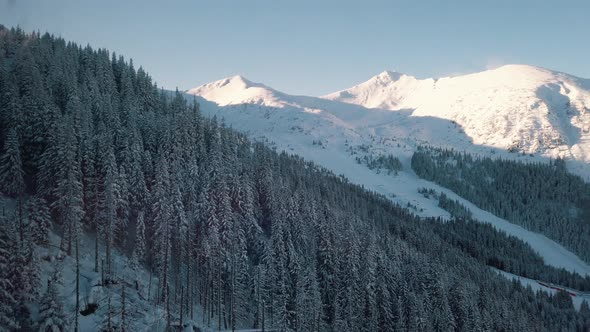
(237, 90)
(336, 130)
(515, 107)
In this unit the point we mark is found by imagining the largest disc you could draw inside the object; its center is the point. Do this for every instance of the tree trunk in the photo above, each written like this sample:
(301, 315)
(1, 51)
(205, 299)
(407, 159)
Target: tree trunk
(77, 286)
(219, 296)
(181, 305)
(96, 251)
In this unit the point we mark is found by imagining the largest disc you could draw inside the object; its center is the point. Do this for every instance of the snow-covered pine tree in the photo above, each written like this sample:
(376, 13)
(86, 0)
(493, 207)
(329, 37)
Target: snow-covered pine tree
(161, 212)
(23, 271)
(39, 219)
(7, 301)
(51, 312)
(11, 168)
(139, 249)
(108, 323)
(109, 203)
(68, 194)
(120, 229)
(136, 177)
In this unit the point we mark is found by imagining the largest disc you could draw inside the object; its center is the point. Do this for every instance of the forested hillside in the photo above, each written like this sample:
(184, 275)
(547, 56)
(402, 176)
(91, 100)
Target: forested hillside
(232, 231)
(544, 198)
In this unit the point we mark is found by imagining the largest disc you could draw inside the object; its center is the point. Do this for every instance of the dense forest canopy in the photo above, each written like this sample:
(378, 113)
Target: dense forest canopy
(244, 235)
(544, 198)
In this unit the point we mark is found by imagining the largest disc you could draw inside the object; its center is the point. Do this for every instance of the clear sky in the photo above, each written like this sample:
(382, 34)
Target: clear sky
(316, 47)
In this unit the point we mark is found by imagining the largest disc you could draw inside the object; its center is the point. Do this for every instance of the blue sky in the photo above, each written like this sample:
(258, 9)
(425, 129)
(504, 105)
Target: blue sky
(316, 47)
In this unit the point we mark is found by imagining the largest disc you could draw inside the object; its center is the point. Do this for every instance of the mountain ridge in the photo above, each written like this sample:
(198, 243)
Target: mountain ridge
(518, 108)
(335, 134)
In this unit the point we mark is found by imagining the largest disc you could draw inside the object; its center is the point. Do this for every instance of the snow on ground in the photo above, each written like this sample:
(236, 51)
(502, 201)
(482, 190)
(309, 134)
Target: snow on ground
(332, 134)
(538, 285)
(145, 315)
(142, 314)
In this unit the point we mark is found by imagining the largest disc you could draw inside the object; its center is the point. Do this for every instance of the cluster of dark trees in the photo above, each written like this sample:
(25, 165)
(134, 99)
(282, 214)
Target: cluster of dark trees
(389, 163)
(504, 252)
(496, 248)
(454, 207)
(252, 237)
(544, 198)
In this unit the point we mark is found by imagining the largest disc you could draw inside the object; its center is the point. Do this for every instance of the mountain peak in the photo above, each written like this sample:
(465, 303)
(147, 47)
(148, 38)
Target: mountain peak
(234, 90)
(390, 76)
(239, 79)
(236, 80)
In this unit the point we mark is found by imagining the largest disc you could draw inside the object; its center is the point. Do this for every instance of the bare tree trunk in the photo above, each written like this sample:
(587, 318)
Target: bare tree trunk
(149, 286)
(181, 305)
(263, 323)
(188, 273)
(21, 227)
(219, 296)
(96, 251)
(166, 282)
(167, 305)
(204, 295)
(233, 296)
(108, 252)
(123, 310)
(77, 285)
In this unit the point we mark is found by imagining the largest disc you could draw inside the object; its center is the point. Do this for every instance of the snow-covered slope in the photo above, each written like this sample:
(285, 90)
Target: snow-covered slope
(236, 90)
(334, 133)
(517, 107)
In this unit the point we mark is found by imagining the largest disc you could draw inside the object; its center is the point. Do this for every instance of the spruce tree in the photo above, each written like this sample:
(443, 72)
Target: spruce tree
(68, 191)
(51, 312)
(39, 219)
(138, 256)
(11, 168)
(7, 301)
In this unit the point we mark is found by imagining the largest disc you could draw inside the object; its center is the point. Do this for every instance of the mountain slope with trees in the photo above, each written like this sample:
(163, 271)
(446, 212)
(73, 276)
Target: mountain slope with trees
(247, 236)
(545, 198)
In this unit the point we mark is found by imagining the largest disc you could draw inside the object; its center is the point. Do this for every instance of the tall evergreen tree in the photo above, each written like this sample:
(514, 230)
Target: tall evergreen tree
(11, 168)
(68, 203)
(51, 311)
(39, 219)
(7, 301)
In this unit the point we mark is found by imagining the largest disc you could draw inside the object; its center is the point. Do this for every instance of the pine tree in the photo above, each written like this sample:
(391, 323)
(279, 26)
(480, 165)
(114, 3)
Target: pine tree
(108, 325)
(109, 203)
(39, 219)
(11, 168)
(122, 207)
(137, 185)
(7, 301)
(138, 256)
(51, 312)
(23, 271)
(68, 190)
(162, 217)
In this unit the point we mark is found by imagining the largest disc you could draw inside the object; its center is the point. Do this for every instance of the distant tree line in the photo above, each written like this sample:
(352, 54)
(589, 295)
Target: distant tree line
(541, 197)
(388, 162)
(495, 248)
(505, 252)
